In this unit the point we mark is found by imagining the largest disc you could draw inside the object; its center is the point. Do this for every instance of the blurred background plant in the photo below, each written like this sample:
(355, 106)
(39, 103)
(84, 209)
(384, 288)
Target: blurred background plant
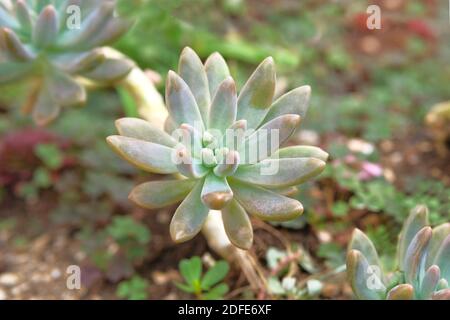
(372, 91)
(421, 270)
(207, 286)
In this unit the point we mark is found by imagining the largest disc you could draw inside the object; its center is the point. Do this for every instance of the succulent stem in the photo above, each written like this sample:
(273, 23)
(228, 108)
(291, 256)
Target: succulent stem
(149, 101)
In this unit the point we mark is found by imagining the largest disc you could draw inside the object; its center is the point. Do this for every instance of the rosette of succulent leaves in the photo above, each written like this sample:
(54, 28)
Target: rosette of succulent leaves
(423, 263)
(52, 44)
(224, 149)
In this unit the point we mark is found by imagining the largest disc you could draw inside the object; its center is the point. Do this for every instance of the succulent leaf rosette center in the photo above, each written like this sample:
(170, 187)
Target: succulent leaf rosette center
(223, 147)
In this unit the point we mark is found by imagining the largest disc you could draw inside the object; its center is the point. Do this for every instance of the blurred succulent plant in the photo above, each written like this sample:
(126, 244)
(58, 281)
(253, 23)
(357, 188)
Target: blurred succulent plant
(438, 122)
(53, 43)
(423, 263)
(211, 149)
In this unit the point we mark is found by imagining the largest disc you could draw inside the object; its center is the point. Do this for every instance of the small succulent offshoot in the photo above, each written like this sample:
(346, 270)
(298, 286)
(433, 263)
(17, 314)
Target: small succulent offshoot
(212, 150)
(52, 44)
(423, 263)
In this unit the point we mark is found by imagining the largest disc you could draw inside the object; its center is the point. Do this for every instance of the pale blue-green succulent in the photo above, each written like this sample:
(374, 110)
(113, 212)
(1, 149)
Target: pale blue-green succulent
(423, 263)
(216, 172)
(50, 44)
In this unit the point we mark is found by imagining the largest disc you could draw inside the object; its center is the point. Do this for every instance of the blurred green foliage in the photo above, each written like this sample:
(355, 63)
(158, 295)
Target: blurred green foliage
(204, 286)
(134, 289)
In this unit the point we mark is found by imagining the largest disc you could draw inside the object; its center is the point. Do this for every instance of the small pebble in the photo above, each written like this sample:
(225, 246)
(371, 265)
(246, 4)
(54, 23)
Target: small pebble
(361, 146)
(389, 175)
(3, 295)
(324, 236)
(17, 291)
(56, 273)
(9, 279)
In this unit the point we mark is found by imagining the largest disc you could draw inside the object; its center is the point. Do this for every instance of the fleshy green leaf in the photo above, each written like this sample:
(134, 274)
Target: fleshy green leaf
(110, 70)
(191, 138)
(45, 109)
(442, 258)
(293, 102)
(169, 125)
(280, 172)
(415, 254)
(265, 204)
(14, 47)
(401, 292)
(224, 106)
(286, 191)
(191, 70)
(12, 71)
(76, 63)
(216, 192)
(64, 90)
(189, 217)
(188, 166)
(144, 130)
(237, 225)
(417, 219)
(159, 194)
(359, 277)
(215, 274)
(112, 31)
(46, 27)
(429, 282)
(439, 234)
(181, 102)
(6, 19)
(442, 284)
(256, 96)
(208, 158)
(364, 245)
(217, 71)
(267, 139)
(301, 152)
(91, 25)
(442, 295)
(228, 165)
(235, 135)
(145, 155)
(23, 15)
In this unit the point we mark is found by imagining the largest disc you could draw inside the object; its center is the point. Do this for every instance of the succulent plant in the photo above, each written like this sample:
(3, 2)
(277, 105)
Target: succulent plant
(51, 44)
(423, 263)
(210, 149)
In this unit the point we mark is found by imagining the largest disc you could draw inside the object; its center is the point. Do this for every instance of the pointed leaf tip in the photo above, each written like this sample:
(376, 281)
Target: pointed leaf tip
(257, 94)
(358, 275)
(46, 28)
(224, 106)
(415, 253)
(181, 102)
(192, 71)
(216, 192)
(189, 216)
(237, 225)
(417, 219)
